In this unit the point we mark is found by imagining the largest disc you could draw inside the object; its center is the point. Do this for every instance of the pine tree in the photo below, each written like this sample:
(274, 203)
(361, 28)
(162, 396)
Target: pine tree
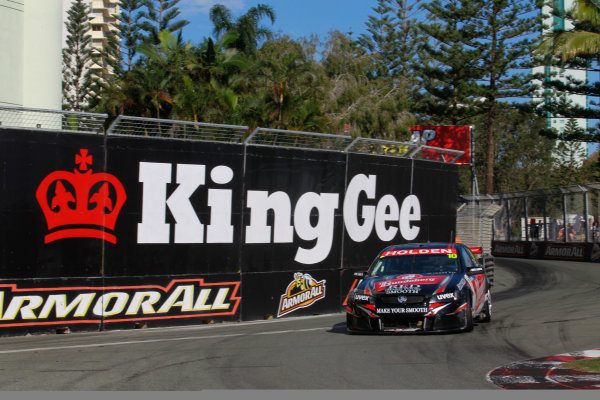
(160, 15)
(449, 71)
(409, 42)
(569, 156)
(392, 42)
(483, 58)
(77, 56)
(129, 31)
(505, 30)
(381, 38)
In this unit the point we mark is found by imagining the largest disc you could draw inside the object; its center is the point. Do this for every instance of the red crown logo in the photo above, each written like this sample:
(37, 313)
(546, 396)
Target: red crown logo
(83, 204)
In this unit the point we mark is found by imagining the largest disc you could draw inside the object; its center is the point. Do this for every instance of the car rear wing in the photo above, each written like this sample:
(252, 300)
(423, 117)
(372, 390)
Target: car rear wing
(487, 261)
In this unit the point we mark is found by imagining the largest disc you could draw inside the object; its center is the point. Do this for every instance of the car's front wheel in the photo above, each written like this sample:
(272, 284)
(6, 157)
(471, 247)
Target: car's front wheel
(486, 313)
(468, 317)
(350, 324)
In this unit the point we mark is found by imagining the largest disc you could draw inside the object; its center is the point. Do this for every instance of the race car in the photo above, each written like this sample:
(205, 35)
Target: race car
(426, 287)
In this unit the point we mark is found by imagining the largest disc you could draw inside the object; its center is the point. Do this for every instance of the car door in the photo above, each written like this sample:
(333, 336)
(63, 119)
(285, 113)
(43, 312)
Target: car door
(477, 282)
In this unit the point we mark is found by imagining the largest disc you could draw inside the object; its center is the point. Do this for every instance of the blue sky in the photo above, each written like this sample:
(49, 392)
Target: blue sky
(298, 18)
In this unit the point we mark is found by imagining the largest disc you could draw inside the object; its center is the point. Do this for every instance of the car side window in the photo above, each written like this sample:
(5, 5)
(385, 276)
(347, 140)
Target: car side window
(466, 259)
(472, 257)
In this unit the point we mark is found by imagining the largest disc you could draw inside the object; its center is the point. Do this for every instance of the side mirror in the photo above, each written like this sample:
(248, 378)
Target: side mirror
(475, 270)
(360, 274)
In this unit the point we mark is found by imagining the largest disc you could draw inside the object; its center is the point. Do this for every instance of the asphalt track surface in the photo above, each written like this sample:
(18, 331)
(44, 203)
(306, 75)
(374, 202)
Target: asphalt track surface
(540, 308)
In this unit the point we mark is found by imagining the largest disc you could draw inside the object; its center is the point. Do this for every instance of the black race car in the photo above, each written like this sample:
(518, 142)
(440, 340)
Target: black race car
(428, 287)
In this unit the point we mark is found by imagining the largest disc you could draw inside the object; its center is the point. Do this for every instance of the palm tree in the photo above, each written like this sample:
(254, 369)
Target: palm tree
(162, 71)
(209, 91)
(582, 40)
(246, 27)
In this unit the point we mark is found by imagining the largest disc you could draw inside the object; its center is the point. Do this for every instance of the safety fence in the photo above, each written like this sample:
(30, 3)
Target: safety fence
(158, 222)
(72, 121)
(560, 222)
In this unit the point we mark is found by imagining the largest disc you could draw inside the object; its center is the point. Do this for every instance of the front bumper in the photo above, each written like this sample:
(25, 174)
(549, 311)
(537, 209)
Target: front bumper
(359, 318)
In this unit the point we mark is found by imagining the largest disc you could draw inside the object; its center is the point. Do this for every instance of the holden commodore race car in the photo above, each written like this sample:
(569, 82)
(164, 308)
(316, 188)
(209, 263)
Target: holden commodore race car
(428, 287)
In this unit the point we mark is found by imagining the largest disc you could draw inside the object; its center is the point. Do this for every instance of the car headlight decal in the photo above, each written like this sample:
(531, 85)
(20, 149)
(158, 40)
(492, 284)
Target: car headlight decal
(445, 297)
(369, 309)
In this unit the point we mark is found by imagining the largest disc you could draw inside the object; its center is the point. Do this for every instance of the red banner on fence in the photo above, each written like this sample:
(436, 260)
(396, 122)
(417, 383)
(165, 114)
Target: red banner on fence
(447, 137)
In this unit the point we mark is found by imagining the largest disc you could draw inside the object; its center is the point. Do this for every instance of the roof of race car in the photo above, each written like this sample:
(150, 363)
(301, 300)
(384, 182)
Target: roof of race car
(411, 246)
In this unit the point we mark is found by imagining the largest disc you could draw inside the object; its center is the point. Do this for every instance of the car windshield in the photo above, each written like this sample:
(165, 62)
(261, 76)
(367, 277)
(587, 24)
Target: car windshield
(415, 264)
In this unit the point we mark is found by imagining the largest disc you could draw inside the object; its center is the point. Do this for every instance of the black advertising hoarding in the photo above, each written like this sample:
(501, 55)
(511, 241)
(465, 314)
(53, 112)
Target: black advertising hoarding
(564, 251)
(510, 249)
(112, 231)
(183, 208)
(548, 250)
(290, 293)
(292, 215)
(391, 200)
(39, 172)
(436, 186)
(116, 303)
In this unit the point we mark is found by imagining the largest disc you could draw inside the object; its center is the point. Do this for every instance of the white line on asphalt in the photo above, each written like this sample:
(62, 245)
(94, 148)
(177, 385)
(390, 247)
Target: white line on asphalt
(83, 346)
(288, 331)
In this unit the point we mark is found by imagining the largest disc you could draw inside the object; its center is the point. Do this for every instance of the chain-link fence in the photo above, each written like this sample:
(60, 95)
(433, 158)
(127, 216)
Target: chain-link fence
(173, 129)
(41, 119)
(562, 214)
(36, 118)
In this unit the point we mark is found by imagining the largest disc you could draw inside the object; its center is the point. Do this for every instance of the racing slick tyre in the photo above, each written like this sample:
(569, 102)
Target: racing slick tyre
(350, 324)
(486, 314)
(468, 317)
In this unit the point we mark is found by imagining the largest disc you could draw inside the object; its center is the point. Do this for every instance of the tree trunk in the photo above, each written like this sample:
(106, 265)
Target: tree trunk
(491, 151)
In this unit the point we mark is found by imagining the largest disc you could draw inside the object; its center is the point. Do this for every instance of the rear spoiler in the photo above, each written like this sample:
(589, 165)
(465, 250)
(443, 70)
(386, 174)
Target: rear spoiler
(476, 250)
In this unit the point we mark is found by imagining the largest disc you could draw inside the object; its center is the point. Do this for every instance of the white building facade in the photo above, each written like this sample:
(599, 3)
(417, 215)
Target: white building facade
(102, 21)
(30, 45)
(554, 22)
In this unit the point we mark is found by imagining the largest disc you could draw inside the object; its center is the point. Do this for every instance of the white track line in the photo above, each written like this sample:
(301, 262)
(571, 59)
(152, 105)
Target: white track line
(83, 346)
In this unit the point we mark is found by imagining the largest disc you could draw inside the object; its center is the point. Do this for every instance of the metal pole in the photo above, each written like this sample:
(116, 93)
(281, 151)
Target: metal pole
(585, 218)
(527, 226)
(545, 218)
(509, 235)
(564, 204)
(474, 187)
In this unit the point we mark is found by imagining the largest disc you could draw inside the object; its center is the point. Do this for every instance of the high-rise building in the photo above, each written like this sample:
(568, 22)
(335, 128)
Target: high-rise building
(102, 22)
(30, 47)
(554, 22)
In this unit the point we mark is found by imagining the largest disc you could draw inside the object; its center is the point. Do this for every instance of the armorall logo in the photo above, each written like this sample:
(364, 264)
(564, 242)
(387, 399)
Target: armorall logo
(302, 292)
(80, 203)
(181, 298)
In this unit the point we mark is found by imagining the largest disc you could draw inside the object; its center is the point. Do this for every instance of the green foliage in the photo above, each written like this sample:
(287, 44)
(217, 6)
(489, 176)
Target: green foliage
(460, 68)
(246, 27)
(129, 31)
(160, 15)
(587, 365)
(449, 73)
(479, 50)
(76, 58)
(576, 48)
(569, 156)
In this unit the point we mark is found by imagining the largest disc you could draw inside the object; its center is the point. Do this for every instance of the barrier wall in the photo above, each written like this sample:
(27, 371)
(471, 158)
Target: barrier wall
(101, 232)
(589, 252)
